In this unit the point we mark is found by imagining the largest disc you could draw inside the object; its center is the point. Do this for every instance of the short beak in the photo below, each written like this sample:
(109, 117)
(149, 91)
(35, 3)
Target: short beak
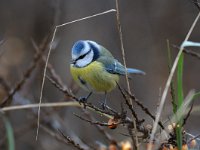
(72, 61)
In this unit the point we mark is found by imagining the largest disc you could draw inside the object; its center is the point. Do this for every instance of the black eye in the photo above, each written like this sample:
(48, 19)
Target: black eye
(82, 56)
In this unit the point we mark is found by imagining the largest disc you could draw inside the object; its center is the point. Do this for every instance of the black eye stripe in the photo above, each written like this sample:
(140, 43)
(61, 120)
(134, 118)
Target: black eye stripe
(82, 56)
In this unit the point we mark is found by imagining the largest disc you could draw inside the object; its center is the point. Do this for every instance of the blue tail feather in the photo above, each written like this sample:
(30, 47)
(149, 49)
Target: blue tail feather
(135, 71)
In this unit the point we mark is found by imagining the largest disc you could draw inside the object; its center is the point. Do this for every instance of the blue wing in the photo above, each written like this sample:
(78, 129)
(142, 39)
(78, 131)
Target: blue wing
(115, 67)
(135, 71)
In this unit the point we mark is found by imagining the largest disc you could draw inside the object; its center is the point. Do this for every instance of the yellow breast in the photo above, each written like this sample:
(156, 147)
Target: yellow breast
(95, 76)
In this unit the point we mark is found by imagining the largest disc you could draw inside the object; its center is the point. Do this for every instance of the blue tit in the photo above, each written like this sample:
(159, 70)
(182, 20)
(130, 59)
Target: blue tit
(95, 69)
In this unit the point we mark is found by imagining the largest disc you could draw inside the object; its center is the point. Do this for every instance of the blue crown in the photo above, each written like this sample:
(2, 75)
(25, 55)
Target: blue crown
(78, 46)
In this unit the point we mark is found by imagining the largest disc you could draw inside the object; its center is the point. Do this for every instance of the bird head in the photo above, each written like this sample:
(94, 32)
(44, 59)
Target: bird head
(84, 52)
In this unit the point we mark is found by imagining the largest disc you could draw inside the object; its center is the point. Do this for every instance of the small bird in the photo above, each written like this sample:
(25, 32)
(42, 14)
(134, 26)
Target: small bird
(95, 69)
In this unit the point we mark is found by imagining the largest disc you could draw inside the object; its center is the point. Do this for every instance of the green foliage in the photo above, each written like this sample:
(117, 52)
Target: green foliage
(196, 95)
(179, 100)
(172, 82)
(9, 133)
(178, 96)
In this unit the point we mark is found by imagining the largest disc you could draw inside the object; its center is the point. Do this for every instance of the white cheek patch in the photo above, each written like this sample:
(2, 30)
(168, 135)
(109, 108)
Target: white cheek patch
(86, 60)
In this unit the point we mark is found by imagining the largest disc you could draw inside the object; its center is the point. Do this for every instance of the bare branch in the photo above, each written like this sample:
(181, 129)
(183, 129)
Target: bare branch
(95, 122)
(128, 104)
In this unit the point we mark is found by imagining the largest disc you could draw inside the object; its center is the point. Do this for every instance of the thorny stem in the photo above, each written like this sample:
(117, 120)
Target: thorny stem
(145, 109)
(128, 104)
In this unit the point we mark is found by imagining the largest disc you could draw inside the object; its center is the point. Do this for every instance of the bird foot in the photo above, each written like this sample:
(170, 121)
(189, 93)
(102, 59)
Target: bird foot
(82, 100)
(103, 105)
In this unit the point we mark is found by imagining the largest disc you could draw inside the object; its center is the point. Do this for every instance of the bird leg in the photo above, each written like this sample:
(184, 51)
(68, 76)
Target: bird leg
(83, 99)
(103, 104)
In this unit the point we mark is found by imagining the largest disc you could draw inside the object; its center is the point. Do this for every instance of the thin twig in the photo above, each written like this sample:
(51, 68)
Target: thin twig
(124, 62)
(145, 109)
(95, 122)
(57, 85)
(122, 44)
(139, 123)
(88, 17)
(188, 114)
(132, 137)
(195, 137)
(30, 106)
(128, 104)
(189, 52)
(99, 128)
(42, 86)
(57, 104)
(196, 4)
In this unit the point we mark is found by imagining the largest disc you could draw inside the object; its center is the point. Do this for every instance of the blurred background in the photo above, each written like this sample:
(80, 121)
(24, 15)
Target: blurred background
(146, 26)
